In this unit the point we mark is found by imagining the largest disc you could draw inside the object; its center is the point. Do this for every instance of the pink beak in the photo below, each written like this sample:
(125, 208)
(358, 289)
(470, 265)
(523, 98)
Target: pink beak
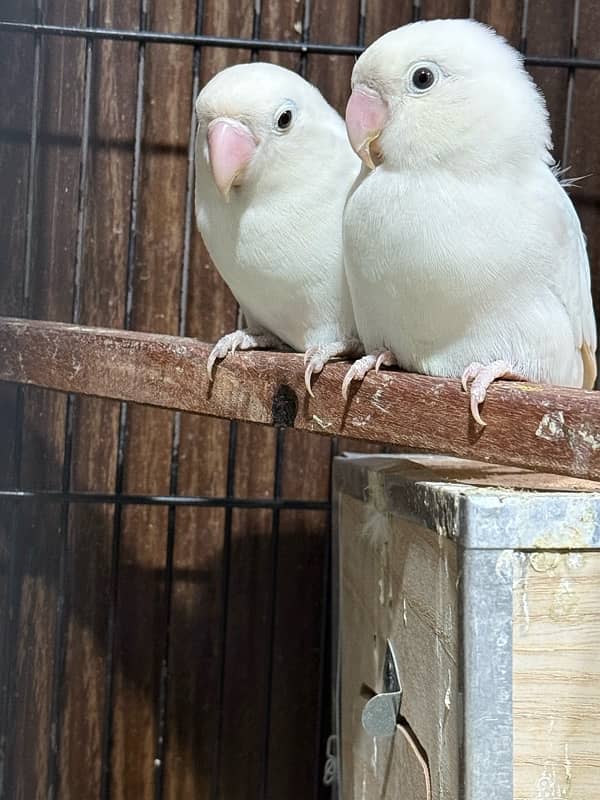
(230, 150)
(366, 115)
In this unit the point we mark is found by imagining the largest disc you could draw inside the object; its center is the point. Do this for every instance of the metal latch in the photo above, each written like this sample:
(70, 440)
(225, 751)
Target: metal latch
(330, 771)
(380, 715)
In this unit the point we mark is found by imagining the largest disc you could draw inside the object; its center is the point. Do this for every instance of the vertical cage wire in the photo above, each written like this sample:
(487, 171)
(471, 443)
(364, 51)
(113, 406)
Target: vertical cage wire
(61, 609)
(176, 436)
(228, 528)
(107, 723)
(324, 690)
(228, 525)
(10, 632)
(32, 166)
(277, 482)
(571, 82)
(272, 612)
(524, 25)
(324, 697)
(224, 613)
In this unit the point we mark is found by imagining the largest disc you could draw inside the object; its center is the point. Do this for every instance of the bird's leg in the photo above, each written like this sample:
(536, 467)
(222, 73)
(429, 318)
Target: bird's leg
(318, 355)
(243, 339)
(359, 369)
(482, 376)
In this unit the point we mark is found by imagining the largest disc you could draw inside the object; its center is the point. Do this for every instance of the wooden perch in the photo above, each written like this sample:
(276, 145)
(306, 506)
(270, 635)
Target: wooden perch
(538, 427)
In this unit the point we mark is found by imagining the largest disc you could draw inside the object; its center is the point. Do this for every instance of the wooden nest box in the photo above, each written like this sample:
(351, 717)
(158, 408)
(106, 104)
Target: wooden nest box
(484, 582)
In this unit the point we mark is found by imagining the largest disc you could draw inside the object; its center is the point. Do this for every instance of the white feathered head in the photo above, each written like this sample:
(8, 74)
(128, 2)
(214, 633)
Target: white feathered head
(449, 91)
(255, 119)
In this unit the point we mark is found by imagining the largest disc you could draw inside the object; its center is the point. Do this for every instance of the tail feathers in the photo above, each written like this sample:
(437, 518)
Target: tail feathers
(590, 369)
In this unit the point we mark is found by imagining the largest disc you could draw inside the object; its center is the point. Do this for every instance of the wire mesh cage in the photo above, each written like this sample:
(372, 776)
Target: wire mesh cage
(165, 577)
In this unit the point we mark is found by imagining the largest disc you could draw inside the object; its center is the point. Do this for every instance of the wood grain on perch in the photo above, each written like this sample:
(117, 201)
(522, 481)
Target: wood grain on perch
(544, 428)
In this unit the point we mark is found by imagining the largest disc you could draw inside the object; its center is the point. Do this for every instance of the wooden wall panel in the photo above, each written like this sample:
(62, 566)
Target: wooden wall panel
(194, 665)
(504, 16)
(242, 655)
(549, 33)
(33, 703)
(439, 9)
(244, 714)
(83, 698)
(584, 154)
(141, 616)
(383, 16)
(285, 21)
(335, 22)
(246, 666)
(295, 750)
(88, 568)
(16, 90)
(8, 513)
(140, 631)
(197, 650)
(294, 660)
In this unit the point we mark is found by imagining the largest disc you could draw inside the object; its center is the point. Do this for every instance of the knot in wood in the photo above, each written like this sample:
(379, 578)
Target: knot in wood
(284, 407)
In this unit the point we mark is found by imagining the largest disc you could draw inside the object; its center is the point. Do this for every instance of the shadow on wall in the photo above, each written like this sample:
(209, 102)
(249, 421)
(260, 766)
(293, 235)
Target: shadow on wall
(104, 701)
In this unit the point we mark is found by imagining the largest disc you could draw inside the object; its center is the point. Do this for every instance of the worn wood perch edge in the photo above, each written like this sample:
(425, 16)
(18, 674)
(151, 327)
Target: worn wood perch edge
(538, 427)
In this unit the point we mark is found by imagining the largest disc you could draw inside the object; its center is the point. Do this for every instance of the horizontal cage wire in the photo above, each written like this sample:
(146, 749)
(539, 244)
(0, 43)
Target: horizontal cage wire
(268, 45)
(207, 501)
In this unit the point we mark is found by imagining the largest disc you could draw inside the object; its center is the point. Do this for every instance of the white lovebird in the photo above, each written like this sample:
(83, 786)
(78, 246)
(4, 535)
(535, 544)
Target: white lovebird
(273, 170)
(464, 254)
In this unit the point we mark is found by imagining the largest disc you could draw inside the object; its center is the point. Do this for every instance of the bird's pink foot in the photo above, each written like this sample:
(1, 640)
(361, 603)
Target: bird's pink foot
(482, 376)
(240, 340)
(359, 369)
(318, 355)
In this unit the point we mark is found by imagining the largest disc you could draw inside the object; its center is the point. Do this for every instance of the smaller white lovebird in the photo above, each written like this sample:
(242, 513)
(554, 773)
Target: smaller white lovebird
(273, 170)
(464, 254)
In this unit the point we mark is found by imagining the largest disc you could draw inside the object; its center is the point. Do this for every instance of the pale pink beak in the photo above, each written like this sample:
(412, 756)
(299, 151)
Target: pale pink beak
(230, 150)
(366, 115)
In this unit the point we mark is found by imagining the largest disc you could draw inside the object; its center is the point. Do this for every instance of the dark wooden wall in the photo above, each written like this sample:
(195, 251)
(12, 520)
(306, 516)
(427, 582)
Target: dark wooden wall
(120, 674)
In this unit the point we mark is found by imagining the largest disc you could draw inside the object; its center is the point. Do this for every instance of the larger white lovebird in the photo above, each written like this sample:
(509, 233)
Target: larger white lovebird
(465, 256)
(273, 170)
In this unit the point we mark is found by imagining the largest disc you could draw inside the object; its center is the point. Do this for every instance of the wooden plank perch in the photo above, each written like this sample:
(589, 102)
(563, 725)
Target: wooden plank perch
(537, 427)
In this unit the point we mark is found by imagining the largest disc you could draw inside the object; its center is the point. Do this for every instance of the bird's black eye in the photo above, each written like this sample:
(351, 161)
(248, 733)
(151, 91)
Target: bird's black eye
(284, 120)
(423, 78)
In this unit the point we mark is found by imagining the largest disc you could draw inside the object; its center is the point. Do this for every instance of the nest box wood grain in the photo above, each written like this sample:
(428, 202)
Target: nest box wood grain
(489, 596)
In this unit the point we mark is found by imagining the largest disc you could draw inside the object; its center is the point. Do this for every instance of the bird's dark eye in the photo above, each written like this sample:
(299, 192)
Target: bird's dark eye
(423, 78)
(284, 120)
